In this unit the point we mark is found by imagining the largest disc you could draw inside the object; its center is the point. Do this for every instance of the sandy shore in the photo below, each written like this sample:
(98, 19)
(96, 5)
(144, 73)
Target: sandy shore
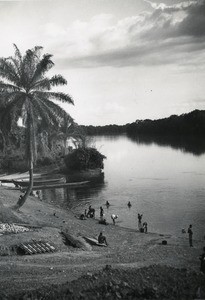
(128, 249)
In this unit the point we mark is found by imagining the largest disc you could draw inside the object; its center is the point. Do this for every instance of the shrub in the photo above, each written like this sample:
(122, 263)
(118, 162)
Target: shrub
(83, 159)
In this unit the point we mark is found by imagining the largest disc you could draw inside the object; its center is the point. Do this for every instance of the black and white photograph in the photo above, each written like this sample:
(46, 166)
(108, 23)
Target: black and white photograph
(102, 149)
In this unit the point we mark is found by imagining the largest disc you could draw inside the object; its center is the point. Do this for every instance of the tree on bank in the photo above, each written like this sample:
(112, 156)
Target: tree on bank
(84, 158)
(25, 91)
(63, 133)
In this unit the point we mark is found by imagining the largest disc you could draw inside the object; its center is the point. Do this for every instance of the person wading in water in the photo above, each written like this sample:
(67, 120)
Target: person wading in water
(190, 232)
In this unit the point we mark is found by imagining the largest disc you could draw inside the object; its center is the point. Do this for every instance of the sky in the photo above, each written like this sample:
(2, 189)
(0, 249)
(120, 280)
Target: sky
(123, 59)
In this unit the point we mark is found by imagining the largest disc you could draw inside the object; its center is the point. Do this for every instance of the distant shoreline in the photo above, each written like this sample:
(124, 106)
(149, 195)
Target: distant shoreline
(189, 124)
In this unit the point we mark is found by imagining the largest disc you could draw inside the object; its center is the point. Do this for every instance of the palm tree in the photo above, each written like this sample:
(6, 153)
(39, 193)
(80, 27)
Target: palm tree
(25, 91)
(62, 133)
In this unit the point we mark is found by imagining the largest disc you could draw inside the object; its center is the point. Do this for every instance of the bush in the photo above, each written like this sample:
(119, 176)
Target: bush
(83, 159)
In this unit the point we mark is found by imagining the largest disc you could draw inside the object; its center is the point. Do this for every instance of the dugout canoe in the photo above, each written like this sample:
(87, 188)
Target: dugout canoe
(93, 241)
(60, 185)
(24, 183)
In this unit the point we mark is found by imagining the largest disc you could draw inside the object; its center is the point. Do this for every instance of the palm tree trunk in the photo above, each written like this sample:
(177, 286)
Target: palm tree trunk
(31, 151)
(22, 200)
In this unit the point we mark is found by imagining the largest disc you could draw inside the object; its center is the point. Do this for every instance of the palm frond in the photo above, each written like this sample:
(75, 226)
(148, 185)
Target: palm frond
(6, 87)
(67, 119)
(18, 68)
(41, 85)
(37, 51)
(44, 112)
(47, 83)
(29, 63)
(7, 71)
(14, 100)
(58, 80)
(56, 96)
(17, 53)
(8, 97)
(17, 61)
(44, 65)
(28, 67)
(54, 110)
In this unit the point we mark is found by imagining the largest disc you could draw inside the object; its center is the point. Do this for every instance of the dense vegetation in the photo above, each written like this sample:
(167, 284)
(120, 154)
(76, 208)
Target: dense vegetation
(192, 123)
(107, 129)
(84, 159)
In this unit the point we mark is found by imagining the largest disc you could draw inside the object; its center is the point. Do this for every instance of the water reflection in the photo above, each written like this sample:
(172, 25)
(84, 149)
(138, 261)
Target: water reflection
(72, 196)
(165, 185)
(189, 144)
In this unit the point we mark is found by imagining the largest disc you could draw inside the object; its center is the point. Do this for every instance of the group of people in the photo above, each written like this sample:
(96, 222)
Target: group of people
(88, 214)
(91, 214)
(142, 228)
(102, 216)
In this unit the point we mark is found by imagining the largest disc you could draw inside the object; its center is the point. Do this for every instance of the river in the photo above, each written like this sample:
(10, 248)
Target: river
(164, 181)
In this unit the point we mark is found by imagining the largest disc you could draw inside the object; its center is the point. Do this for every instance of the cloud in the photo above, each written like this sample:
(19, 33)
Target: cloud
(184, 19)
(174, 7)
(167, 34)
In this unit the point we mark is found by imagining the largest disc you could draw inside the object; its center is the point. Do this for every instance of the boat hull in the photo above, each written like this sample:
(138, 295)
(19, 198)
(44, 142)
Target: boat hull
(37, 183)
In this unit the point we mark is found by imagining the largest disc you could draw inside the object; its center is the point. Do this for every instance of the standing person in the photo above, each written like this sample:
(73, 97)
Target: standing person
(101, 212)
(145, 227)
(107, 204)
(129, 204)
(140, 218)
(190, 232)
(202, 259)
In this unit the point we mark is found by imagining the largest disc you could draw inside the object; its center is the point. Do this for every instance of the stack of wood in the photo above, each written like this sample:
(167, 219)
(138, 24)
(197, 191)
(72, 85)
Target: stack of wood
(35, 247)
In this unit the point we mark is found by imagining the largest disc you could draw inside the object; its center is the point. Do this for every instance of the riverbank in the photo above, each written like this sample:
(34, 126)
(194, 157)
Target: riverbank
(129, 251)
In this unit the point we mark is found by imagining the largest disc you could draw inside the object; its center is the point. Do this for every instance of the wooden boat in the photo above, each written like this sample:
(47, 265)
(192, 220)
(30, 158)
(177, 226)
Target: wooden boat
(58, 185)
(18, 176)
(93, 241)
(38, 182)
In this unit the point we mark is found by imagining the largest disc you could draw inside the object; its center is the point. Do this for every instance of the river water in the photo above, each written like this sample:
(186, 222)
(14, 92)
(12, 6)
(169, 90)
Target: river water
(163, 181)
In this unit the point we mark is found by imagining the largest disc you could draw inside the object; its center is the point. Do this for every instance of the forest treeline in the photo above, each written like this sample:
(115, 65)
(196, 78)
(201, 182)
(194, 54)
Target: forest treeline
(107, 129)
(192, 123)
